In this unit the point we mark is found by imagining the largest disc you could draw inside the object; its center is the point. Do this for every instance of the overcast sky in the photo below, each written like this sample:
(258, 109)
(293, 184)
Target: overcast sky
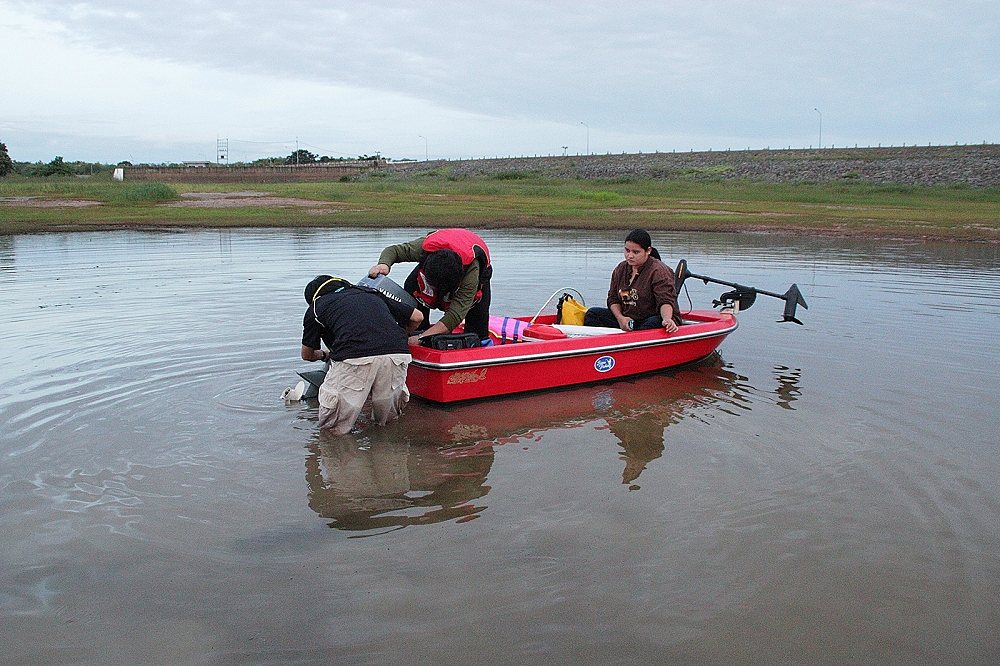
(162, 81)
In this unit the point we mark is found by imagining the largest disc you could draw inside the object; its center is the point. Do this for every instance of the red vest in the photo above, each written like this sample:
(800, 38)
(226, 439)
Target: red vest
(468, 246)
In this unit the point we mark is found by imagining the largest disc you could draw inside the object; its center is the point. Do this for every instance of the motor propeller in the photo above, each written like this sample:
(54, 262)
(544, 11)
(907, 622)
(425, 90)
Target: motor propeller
(742, 294)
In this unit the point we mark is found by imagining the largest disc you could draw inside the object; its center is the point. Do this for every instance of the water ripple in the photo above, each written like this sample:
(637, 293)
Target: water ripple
(829, 469)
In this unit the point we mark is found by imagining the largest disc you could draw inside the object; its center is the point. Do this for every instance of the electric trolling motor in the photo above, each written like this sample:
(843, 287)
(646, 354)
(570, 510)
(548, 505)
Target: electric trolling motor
(742, 295)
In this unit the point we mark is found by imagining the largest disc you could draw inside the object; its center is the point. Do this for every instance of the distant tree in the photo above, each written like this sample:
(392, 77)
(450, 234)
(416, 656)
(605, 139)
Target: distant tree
(301, 156)
(6, 164)
(57, 168)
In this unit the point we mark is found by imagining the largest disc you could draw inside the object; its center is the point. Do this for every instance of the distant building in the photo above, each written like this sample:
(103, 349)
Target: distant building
(196, 164)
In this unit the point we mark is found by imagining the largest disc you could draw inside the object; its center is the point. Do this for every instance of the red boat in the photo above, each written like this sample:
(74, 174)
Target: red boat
(556, 358)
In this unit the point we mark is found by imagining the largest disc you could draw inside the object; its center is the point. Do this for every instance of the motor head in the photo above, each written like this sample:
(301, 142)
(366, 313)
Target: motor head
(743, 297)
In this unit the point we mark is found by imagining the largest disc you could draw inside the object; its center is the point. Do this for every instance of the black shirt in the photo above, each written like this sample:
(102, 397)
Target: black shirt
(356, 322)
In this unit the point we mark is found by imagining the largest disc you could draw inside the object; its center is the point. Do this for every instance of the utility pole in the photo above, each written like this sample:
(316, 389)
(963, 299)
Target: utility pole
(426, 159)
(588, 135)
(820, 126)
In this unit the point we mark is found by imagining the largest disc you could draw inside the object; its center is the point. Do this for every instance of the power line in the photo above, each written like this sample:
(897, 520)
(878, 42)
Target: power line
(327, 150)
(286, 144)
(264, 142)
(290, 144)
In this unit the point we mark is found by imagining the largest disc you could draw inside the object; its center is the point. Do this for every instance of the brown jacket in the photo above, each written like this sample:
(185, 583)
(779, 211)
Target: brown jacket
(641, 298)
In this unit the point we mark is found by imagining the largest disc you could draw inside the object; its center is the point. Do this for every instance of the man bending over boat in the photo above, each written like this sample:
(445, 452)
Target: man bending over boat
(642, 294)
(452, 274)
(365, 334)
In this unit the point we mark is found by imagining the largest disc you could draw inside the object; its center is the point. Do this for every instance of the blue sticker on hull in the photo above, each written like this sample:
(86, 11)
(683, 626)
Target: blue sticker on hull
(604, 363)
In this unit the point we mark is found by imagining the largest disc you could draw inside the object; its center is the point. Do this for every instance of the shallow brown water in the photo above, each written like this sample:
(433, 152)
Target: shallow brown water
(816, 494)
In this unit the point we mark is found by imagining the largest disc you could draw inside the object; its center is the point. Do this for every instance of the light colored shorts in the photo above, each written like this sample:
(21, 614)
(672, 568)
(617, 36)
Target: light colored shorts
(348, 385)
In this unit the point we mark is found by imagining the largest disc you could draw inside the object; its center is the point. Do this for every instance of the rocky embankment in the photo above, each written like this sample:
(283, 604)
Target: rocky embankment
(976, 166)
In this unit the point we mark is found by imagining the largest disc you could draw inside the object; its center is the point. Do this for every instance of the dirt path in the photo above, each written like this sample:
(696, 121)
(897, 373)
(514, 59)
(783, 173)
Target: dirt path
(244, 200)
(188, 200)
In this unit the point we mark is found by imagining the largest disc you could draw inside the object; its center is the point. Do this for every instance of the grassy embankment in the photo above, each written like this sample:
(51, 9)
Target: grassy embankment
(517, 200)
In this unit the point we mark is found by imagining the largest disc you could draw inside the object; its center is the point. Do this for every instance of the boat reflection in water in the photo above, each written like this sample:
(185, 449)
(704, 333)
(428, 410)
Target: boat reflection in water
(433, 464)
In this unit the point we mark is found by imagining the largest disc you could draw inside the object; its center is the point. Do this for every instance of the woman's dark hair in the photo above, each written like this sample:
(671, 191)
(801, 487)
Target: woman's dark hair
(443, 269)
(641, 238)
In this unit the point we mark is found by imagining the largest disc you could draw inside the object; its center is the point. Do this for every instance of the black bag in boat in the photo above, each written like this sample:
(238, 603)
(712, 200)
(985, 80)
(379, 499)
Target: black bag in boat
(445, 341)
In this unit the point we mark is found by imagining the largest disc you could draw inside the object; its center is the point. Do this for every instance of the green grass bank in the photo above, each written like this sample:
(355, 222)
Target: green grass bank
(439, 198)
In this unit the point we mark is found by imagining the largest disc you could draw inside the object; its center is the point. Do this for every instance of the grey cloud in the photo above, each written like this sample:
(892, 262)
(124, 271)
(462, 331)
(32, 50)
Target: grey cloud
(730, 68)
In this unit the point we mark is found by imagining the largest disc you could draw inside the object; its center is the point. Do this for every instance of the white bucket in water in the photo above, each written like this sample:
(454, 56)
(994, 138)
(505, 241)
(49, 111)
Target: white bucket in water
(294, 394)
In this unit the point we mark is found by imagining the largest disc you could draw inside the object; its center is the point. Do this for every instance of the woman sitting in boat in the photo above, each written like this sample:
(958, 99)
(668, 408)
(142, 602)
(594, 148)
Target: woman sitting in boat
(642, 294)
(452, 274)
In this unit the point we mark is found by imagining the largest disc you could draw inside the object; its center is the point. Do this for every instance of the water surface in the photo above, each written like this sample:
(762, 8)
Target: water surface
(825, 493)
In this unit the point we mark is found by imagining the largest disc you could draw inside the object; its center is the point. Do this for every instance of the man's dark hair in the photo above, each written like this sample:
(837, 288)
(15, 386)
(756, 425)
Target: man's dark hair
(324, 283)
(443, 269)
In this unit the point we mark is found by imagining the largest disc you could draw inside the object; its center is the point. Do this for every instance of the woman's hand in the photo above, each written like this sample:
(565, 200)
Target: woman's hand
(378, 269)
(667, 316)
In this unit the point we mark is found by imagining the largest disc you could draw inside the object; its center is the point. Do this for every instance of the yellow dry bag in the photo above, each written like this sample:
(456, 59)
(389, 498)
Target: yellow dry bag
(570, 311)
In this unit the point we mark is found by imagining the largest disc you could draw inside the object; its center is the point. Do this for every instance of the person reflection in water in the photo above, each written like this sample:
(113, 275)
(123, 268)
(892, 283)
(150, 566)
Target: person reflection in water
(788, 390)
(365, 334)
(391, 483)
(641, 438)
